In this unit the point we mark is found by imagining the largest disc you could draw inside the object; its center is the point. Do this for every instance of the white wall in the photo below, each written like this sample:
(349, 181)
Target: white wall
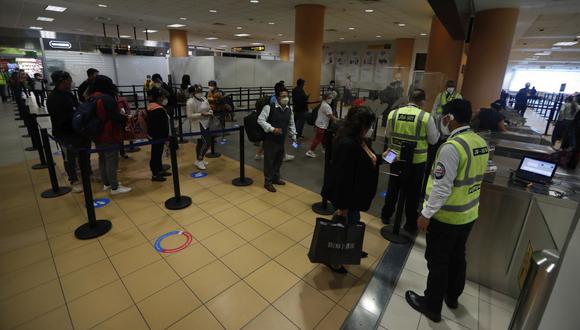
(132, 70)
(77, 63)
(200, 68)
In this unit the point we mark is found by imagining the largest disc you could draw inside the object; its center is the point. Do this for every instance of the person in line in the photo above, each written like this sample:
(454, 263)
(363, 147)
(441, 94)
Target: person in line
(148, 84)
(348, 90)
(102, 91)
(565, 119)
(199, 114)
(522, 100)
(25, 80)
(409, 124)
(124, 109)
(3, 85)
(353, 169)
(322, 122)
(491, 118)
(300, 106)
(183, 91)
(278, 123)
(332, 88)
(83, 88)
(157, 128)
(39, 89)
(61, 106)
(451, 207)
(450, 93)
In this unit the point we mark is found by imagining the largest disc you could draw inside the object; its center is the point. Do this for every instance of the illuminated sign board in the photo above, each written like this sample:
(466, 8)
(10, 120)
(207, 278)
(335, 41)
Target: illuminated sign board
(260, 48)
(59, 44)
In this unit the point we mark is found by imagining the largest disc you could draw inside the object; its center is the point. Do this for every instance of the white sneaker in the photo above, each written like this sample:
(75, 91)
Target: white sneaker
(120, 190)
(105, 187)
(200, 165)
(259, 156)
(288, 158)
(310, 154)
(205, 162)
(77, 187)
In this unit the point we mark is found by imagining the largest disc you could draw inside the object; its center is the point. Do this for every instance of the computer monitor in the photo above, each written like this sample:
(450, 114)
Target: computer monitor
(538, 166)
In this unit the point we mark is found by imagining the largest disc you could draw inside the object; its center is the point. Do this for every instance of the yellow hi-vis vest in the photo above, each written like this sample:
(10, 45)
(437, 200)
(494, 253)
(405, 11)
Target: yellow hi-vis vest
(462, 205)
(444, 99)
(2, 78)
(409, 124)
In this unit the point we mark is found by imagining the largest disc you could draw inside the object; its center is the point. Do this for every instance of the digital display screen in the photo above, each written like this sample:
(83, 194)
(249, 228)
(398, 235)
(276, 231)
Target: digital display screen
(390, 157)
(539, 167)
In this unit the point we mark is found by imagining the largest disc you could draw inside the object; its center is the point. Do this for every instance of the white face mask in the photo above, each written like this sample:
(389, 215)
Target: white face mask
(164, 102)
(198, 95)
(329, 100)
(284, 101)
(445, 127)
(450, 90)
(369, 133)
(211, 88)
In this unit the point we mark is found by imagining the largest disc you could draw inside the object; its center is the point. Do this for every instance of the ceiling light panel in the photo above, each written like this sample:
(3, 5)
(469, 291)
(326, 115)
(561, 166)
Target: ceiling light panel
(242, 35)
(150, 31)
(55, 8)
(566, 43)
(175, 25)
(102, 5)
(44, 19)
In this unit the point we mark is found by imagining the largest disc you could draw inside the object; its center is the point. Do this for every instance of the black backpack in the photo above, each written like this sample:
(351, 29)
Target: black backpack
(254, 131)
(85, 120)
(311, 119)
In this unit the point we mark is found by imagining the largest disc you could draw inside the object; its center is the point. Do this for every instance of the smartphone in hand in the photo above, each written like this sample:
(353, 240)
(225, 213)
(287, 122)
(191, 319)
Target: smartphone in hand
(390, 156)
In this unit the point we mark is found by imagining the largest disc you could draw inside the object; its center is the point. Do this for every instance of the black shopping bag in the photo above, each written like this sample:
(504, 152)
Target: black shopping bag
(336, 243)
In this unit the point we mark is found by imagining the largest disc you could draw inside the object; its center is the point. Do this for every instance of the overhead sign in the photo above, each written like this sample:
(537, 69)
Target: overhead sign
(260, 48)
(59, 44)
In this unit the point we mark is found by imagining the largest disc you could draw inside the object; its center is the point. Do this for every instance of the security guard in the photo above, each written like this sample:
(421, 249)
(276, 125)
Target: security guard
(450, 209)
(448, 95)
(410, 124)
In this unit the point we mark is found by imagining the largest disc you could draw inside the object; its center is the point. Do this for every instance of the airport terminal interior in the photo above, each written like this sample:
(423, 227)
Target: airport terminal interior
(153, 176)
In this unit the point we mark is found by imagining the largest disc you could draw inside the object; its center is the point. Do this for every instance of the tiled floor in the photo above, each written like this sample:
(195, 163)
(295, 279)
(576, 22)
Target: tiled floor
(479, 307)
(246, 267)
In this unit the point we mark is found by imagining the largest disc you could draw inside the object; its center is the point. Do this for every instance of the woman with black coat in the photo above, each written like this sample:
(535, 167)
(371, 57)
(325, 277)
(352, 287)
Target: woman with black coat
(157, 128)
(354, 169)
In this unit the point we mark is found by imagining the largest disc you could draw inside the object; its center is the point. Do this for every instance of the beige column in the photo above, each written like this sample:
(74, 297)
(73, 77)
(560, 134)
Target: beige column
(403, 59)
(491, 42)
(444, 53)
(178, 43)
(285, 52)
(308, 35)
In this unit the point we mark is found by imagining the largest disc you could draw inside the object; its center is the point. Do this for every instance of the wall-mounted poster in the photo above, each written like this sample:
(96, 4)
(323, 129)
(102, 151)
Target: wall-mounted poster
(329, 59)
(354, 59)
(341, 59)
(369, 58)
(383, 58)
(366, 70)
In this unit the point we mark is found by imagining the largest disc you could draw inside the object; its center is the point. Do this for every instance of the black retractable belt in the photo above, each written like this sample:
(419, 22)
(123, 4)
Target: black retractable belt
(36, 137)
(242, 180)
(56, 190)
(177, 202)
(389, 232)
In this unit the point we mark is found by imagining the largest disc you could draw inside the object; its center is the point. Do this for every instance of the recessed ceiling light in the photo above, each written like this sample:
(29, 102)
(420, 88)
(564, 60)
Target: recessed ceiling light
(271, 23)
(556, 47)
(378, 36)
(45, 19)
(544, 53)
(223, 46)
(150, 31)
(55, 8)
(280, 34)
(35, 28)
(183, 18)
(213, 11)
(175, 25)
(341, 38)
(238, 27)
(102, 5)
(242, 35)
(125, 36)
(254, 1)
(401, 24)
(566, 43)
(369, 10)
(211, 38)
(423, 34)
(287, 41)
(48, 34)
(351, 28)
(255, 43)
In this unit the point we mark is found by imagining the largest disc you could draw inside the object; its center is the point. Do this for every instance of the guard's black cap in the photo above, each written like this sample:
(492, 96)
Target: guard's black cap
(460, 109)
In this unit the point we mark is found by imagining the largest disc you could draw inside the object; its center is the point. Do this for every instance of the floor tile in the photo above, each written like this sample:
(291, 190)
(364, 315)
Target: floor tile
(146, 214)
(211, 280)
(67, 242)
(273, 217)
(205, 228)
(471, 288)
(215, 206)
(272, 280)
(190, 259)
(352, 296)
(333, 320)
(57, 319)
(273, 243)
(295, 229)
(188, 216)
(250, 229)
(237, 306)
(79, 258)
(304, 306)
(491, 317)
(231, 216)
(30, 304)
(14, 260)
(296, 260)
(374, 245)
(223, 243)
(254, 206)
(64, 226)
(417, 263)
(201, 318)
(399, 315)
(497, 299)
(149, 279)
(134, 258)
(203, 196)
(22, 239)
(114, 243)
(332, 285)
(26, 278)
(466, 314)
(127, 319)
(367, 265)
(245, 260)
(87, 279)
(293, 207)
(275, 199)
(410, 281)
(270, 319)
(445, 324)
(237, 197)
(99, 305)
(157, 227)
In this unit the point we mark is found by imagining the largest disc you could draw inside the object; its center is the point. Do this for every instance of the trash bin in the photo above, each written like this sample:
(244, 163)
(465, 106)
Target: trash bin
(536, 290)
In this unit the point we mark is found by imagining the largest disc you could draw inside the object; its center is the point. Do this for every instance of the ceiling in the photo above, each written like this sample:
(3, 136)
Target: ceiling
(86, 17)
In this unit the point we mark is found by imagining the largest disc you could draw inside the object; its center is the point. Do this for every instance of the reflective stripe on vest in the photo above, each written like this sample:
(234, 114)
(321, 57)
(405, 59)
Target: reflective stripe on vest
(462, 205)
(409, 124)
(443, 100)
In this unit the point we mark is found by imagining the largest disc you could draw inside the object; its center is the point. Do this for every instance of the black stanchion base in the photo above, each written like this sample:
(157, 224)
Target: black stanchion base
(213, 155)
(87, 231)
(39, 166)
(51, 194)
(175, 203)
(242, 182)
(25, 136)
(166, 167)
(132, 150)
(387, 233)
(30, 149)
(318, 208)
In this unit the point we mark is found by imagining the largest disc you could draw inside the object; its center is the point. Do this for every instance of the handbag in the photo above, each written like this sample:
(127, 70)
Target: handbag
(336, 242)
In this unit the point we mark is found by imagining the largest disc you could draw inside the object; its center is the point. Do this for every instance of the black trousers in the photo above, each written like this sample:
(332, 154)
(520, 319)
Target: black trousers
(203, 143)
(299, 121)
(414, 185)
(273, 157)
(445, 254)
(155, 161)
(39, 96)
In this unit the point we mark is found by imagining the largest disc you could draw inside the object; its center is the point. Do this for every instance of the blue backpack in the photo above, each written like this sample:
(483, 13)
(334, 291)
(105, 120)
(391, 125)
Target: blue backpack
(85, 120)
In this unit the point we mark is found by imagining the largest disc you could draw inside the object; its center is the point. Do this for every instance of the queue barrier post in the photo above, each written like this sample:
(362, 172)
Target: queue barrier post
(178, 201)
(93, 228)
(242, 181)
(36, 137)
(27, 118)
(212, 153)
(55, 190)
(180, 125)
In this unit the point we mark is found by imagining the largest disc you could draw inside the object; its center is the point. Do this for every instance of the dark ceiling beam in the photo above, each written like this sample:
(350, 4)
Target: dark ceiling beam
(449, 15)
